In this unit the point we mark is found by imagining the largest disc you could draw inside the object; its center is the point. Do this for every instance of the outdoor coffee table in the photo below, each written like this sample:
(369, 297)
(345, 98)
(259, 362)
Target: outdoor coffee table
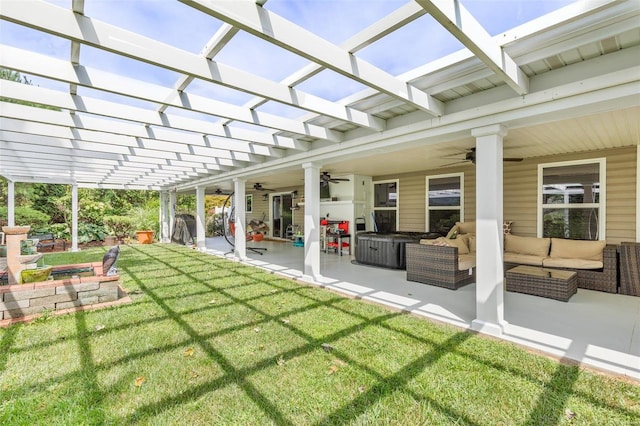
(552, 283)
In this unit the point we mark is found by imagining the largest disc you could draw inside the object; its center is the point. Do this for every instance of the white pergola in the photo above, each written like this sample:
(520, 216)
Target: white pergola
(579, 64)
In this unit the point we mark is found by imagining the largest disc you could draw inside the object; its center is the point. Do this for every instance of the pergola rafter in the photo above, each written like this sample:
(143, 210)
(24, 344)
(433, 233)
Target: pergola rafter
(57, 21)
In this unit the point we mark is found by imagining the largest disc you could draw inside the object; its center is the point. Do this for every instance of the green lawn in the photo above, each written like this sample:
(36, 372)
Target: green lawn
(209, 341)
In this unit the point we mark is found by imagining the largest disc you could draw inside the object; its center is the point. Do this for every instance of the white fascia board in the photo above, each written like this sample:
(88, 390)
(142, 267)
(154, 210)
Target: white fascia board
(36, 64)
(455, 18)
(91, 106)
(252, 18)
(58, 21)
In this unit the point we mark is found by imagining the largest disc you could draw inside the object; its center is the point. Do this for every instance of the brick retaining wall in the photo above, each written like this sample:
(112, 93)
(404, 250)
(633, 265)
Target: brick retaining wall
(22, 300)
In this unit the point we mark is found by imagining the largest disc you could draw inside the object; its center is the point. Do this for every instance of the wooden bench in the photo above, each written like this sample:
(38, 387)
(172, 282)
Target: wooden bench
(47, 240)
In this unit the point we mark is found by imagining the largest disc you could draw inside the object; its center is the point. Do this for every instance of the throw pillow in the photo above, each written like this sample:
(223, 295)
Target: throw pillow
(506, 226)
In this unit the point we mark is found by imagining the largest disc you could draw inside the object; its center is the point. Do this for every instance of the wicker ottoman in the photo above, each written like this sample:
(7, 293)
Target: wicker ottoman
(552, 283)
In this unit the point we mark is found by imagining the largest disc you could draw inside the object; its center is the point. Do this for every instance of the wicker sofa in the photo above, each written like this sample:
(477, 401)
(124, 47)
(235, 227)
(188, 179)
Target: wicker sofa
(595, 262)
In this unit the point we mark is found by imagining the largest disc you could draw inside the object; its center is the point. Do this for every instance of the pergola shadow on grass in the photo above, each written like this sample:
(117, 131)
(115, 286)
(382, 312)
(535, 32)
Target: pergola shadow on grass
(208, 340)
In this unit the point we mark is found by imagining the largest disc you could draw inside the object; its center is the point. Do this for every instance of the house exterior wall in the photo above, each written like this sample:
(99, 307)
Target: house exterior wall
(521, 190)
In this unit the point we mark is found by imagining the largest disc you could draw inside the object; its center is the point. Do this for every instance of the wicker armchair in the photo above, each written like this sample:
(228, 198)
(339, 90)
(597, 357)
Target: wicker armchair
(630, 269)
(605, 279)
(436, 265)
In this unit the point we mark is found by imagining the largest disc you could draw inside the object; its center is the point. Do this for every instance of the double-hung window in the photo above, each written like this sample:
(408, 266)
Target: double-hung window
(445, 202)
(571, 199)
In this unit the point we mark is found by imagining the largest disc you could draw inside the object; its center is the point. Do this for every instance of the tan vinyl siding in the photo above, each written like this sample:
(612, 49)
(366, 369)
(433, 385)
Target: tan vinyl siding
(521, 192)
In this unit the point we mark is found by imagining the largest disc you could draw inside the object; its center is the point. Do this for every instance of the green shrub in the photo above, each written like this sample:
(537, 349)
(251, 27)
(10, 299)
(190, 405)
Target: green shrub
(90, 232)
(120, 226)
(26, 216)
(60, 230)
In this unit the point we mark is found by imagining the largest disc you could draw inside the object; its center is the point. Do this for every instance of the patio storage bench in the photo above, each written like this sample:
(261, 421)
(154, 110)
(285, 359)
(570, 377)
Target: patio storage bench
(440, 266)
(385, 250)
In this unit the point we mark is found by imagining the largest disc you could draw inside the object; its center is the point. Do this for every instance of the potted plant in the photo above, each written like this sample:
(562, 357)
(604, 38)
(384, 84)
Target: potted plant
(145, 222)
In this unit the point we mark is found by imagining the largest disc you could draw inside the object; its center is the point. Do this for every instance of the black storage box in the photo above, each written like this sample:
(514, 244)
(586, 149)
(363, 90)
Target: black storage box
(385, 250)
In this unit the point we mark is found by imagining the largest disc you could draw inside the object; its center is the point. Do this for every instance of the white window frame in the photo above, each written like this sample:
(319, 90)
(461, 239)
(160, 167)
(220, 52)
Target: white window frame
(601, 206)
(396, 208)
(247, 203)
(429, 208)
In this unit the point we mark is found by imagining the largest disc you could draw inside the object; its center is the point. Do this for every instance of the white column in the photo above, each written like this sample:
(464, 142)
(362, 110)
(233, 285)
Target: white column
(172, 212)
(11, 203)
(200, 218)
(74, 217)
(312, 221)
(489, 232)
(164, 217)
(240, 243)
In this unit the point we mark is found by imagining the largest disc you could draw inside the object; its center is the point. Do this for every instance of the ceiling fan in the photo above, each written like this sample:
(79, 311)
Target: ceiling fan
(258, 187)
(326, 178)
(470, 156)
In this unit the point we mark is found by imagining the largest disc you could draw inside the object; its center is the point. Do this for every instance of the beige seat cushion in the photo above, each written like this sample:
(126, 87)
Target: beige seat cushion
(523, 259)
(466, 227)
(442, 241)
(559, 262)
(466, 261)
(527, 245)
(577, 249)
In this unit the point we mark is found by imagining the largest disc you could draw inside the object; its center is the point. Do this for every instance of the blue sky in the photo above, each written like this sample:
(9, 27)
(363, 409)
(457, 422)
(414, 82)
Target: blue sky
(336, 20)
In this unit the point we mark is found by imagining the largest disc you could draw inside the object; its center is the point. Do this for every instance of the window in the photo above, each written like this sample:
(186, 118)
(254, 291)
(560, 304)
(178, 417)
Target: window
(445, 199)
(249, 204)
(572, 199)
(385, 205)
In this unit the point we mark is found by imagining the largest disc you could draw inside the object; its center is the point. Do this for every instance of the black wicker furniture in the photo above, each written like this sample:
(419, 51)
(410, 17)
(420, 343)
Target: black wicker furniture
(438, 266)
(630, 268)
(544, 282)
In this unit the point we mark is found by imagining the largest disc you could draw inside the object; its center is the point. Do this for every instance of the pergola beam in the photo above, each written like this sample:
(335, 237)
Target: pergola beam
(45, 122)
(455, 18)
(270, 27)
(31, 63)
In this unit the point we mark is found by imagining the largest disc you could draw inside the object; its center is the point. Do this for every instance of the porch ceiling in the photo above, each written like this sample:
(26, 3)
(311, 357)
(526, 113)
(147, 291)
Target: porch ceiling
(172, 119)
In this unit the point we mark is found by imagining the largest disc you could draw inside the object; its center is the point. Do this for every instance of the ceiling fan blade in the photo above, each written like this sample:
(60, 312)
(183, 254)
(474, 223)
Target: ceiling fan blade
(335, 180)
(512, 159)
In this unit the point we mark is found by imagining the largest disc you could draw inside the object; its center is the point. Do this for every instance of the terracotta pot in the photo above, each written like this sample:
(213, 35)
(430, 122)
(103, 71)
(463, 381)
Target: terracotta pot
(144, 237)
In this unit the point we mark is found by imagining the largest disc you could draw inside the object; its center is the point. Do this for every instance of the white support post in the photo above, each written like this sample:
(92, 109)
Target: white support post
(312, 221)
(200, 218)
(74, 218)
(240, 242)
(164, 217)
(11, 203)
(172, 211)
(489, 232)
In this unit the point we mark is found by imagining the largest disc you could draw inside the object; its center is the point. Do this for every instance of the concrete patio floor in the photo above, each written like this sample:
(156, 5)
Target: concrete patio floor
(597, 329)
